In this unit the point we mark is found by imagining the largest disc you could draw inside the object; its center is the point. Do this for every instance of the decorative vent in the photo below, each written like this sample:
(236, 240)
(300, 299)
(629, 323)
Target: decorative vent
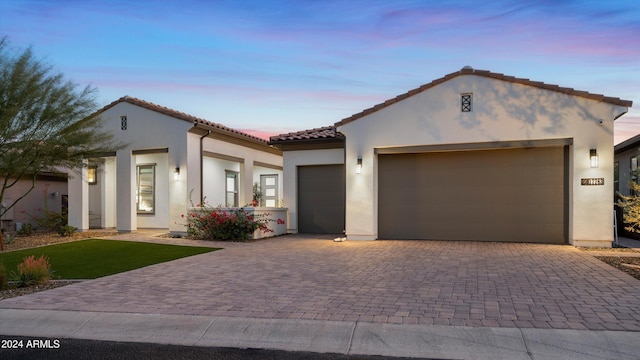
(466, 101)
(123, 123)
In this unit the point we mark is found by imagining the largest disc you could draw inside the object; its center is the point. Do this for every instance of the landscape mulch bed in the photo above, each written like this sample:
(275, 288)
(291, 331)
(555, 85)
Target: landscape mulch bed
(630, 265)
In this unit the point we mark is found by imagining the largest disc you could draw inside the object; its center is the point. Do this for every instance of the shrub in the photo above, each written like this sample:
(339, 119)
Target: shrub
(66, 230)
(49, 221)
(52, 221)
(32, 271)
(3, 276)
(631, 209)
(209, 223)
(26, 230)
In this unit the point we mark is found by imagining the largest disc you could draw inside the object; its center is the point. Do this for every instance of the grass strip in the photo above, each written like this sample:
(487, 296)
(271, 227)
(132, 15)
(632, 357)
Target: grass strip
(93, 258)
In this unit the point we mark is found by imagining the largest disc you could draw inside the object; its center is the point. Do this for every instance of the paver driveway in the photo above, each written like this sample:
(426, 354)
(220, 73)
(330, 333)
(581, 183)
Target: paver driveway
(423, 282)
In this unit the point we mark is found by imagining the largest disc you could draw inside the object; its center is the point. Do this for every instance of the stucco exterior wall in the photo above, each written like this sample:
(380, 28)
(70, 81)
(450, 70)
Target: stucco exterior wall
(214, 180)
(502, 111)
(47, 194)
(163, 175)
(259, 170)
(171, 143)
(293, 159)
(247, 170)
(145, 130)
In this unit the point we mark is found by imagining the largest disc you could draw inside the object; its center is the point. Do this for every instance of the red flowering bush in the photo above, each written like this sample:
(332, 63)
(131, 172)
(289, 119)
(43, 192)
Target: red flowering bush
(209, 223)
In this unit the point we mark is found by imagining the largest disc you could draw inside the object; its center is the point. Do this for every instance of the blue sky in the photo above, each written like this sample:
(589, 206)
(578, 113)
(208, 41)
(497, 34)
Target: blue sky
(280, 66)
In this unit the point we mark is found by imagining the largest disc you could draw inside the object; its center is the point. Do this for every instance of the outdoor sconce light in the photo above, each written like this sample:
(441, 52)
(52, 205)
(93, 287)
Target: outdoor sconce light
(359, 166)
(593, 156)
(176, 173)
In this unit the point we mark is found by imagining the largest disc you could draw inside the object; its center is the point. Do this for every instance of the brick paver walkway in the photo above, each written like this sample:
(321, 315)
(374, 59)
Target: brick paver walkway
(410, 282)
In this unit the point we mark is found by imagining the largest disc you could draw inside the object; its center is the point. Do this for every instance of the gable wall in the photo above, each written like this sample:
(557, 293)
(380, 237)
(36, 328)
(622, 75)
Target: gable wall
(502, 111)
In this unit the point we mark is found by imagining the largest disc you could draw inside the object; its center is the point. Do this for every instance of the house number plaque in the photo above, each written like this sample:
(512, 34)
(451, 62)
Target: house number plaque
(592, 181)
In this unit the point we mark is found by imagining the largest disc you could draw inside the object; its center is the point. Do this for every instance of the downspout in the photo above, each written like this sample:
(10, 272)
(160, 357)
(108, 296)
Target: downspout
(202, 166)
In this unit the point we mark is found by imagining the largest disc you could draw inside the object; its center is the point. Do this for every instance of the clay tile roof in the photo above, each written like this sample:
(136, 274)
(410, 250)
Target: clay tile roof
(323, 133)
(467, 70)
(179, 115)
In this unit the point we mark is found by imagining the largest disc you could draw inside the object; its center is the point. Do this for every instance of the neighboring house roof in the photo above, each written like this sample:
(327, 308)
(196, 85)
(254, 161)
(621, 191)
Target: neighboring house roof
(467, 70)
(627, 144)
(182, 116)
(313, 137)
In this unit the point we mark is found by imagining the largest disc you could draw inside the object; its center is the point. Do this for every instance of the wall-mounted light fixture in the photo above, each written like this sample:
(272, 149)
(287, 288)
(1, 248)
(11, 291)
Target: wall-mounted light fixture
(359, 166)
(593, 157)
(176, 173)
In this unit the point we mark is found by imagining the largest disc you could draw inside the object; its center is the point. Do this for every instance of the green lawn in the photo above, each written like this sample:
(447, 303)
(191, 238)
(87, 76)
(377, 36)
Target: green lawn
(90, 259)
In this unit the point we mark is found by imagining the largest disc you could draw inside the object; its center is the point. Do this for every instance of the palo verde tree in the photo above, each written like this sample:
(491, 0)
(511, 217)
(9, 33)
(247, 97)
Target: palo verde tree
(45, 122)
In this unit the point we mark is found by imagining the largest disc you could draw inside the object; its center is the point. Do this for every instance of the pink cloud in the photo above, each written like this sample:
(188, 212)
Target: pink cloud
(626, 127)
(261, 133)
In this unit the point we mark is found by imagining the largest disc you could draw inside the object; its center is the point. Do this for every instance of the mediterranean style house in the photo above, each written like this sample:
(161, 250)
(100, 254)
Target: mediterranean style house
(474, 155)
(172, 161)
(625, 166)
(625, 173)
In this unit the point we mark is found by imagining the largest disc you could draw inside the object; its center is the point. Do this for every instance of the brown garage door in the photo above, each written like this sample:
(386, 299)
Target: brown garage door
(321, 199)
(515, 195)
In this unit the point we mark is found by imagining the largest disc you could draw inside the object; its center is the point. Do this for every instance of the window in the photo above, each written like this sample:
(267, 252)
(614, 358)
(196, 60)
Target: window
(269, 188)
(466, 102)
(634, 169)
(92, 175)
(231, 189)
(146, 189)
(123, 123)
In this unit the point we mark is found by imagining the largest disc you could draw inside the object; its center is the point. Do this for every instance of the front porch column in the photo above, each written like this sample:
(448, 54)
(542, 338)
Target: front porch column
(246, 185)
(126, 187)
(78, 190)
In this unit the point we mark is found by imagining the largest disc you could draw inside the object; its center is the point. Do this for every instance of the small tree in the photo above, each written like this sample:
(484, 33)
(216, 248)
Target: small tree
(45, 122)
(631, 209)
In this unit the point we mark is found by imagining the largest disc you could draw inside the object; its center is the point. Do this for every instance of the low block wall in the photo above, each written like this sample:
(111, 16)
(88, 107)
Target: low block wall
(277, 223)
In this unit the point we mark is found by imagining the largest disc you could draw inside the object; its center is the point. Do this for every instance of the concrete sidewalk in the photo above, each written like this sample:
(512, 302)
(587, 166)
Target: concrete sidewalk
(430, 341)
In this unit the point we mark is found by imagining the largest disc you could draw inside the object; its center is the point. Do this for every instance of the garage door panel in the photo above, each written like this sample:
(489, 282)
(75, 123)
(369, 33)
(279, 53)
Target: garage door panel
(492, 195)
(321, 199)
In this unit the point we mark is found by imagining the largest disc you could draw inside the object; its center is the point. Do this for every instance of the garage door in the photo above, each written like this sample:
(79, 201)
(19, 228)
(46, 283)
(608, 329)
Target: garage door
(321, 199)
(514, 195)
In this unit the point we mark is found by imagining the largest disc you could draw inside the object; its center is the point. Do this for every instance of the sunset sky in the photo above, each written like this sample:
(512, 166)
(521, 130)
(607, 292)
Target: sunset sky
(278, 66)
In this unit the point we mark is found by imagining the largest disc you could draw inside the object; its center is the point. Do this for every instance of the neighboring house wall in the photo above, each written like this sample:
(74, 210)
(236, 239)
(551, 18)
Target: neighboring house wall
(502, 112)
(294, 159)
(627, 156)
(50, 193)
